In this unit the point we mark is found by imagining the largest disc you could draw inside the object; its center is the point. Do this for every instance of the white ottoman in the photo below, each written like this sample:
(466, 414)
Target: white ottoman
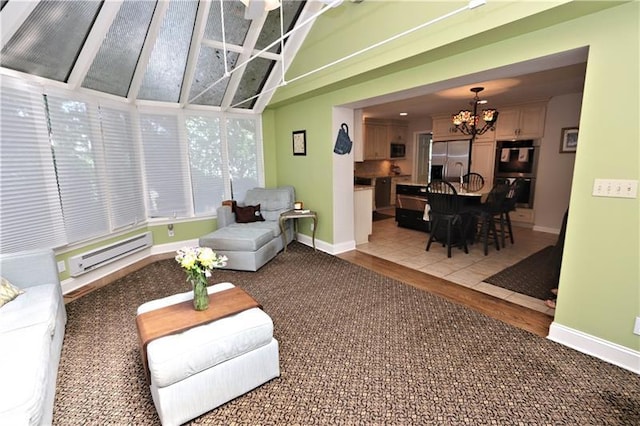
(199, 369)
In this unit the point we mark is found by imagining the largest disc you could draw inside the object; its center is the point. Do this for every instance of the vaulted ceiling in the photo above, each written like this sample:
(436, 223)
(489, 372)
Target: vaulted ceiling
(188, 52)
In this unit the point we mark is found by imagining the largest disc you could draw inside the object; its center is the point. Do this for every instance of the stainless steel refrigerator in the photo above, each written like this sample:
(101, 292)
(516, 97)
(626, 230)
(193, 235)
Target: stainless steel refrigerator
(450, 160)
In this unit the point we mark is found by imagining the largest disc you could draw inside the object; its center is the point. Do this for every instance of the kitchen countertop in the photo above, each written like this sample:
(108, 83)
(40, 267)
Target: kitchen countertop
(413, 183)
(362, 187)
(456, 185)
(374, 175)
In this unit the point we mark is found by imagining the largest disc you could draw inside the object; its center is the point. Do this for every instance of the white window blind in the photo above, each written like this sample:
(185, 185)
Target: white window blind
(206, 163)
(30, 215)
(165, 166)
(124, 179)
(242, 146)
(78, 158)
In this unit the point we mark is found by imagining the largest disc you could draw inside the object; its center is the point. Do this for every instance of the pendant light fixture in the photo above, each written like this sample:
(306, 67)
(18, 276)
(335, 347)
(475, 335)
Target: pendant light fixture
(467, 121)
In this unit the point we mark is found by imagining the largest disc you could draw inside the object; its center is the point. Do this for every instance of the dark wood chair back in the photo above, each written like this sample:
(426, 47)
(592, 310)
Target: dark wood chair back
(495, 199)
(442, 199)
(472, 182)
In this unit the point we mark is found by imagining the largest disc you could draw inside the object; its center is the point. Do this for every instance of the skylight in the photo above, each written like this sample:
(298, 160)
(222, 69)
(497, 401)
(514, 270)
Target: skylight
(162, 51)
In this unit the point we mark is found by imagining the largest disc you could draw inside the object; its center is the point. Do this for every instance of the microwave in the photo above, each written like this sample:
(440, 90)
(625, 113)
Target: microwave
(398, 150)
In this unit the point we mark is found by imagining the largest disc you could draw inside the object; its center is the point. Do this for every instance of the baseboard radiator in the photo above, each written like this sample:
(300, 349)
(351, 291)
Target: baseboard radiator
(85, 262)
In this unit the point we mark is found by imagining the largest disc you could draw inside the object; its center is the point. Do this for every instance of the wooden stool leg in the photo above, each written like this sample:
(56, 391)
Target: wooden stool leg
(509, 227)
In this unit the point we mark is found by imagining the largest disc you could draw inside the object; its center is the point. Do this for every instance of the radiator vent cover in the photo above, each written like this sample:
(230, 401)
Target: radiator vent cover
(87, 261)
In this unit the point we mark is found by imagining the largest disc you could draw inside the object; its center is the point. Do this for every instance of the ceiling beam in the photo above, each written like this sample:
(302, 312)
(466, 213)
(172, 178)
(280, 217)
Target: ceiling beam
(294, 42)
(91, 46)
(249, 45)
(194, 51)
(13, 15)
(152, 34)
(239, 49)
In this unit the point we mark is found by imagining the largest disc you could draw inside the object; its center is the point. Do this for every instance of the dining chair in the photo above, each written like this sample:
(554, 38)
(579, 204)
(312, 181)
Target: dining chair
(488, 213)
(472, 182)
(445, 212)
(509, 205)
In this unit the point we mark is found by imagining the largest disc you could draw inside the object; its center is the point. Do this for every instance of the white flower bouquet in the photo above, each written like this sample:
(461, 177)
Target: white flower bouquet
(198, 262)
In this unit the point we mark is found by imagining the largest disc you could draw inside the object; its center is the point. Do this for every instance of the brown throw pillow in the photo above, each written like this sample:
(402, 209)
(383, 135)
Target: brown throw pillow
(248, 214)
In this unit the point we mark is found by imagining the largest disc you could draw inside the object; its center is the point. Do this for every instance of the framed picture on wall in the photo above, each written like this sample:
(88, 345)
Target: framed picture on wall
(299, 142)
(569, 140)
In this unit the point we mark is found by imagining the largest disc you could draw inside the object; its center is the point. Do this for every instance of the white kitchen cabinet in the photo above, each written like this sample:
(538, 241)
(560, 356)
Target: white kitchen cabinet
(522, 215)
(488, 136)
(483, 156)
(363, 220)
(376, 142)
(521, 122)
(397, 132)
(379, 134)
(444, 130)
(395, 181)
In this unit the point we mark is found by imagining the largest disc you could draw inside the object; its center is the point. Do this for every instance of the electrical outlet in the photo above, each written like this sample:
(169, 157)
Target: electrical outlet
(312, 226)
(636, 326)
(61, 267)
(170, 230)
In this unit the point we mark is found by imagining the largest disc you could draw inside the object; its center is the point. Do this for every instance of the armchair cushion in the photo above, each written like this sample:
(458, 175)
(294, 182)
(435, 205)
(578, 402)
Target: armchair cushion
(273, 201)
(248, 214)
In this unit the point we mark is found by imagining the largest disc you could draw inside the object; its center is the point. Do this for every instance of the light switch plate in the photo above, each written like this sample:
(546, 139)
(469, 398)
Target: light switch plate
(61, 267)
(616, 188)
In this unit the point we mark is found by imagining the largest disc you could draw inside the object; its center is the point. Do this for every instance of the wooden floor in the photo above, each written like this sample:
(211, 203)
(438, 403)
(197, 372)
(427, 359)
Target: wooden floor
(510, 313)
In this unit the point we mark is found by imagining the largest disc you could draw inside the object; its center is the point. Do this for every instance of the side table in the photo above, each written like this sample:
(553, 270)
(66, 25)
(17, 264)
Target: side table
(298, 214)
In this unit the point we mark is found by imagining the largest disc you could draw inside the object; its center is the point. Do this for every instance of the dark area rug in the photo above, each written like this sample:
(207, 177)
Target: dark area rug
(356, 348)
(531, 276)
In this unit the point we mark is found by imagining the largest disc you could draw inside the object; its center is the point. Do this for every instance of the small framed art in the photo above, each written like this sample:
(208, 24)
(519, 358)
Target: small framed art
(299, 142)
(569, 140)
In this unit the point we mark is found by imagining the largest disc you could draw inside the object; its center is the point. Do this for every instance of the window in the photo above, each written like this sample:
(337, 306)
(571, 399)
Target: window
(77, 150)
(73, 170)
(165, 169)
(30, 215)
(206, 161)
(242, 142)
(124, 178)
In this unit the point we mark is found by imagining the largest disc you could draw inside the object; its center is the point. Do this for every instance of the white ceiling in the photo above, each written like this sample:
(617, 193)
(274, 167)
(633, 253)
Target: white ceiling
(541, 78)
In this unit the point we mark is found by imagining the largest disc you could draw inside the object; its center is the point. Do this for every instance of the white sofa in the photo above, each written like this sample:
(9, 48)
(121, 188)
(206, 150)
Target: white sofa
(31, 333)
(248, 246)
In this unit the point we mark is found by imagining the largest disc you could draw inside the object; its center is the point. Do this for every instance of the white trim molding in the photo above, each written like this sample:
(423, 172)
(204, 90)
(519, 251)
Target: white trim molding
(71, 284)
(607, 351)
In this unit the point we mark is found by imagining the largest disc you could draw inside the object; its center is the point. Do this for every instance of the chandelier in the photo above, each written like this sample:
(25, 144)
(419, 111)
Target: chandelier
(467, 121)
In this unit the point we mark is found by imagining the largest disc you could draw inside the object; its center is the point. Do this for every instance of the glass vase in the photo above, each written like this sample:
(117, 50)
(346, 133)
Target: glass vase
(200, 296)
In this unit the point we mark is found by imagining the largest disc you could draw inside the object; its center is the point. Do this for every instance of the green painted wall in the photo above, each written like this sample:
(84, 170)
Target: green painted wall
(310, 174)
(600, 281)
(182, 231)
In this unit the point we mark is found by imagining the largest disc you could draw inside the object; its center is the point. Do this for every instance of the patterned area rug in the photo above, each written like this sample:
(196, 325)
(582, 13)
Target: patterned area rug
(530, 276)
(355, 348)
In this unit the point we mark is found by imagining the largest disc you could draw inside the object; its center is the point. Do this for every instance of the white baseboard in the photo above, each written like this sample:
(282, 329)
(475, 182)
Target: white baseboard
(320, 245)
(609, 352)
(71, 284)
(343, 247)
(546, 229)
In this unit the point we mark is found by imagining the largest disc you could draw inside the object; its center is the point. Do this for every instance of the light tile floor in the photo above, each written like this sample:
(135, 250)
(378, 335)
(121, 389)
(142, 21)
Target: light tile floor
(407, 247)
